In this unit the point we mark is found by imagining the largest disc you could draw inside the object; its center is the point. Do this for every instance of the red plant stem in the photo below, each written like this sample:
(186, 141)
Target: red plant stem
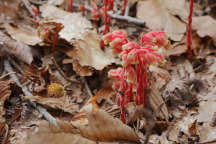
(71, 5)
(82, 8)
(124, 6)
(106, 21)
(106, 17)
(54, 40)
(189, 50)
(35, 10)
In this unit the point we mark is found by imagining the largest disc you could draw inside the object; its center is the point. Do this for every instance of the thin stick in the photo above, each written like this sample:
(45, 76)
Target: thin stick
(62, 73)
(6, 75)
(87, 87)
(42, 111)
(117, 16)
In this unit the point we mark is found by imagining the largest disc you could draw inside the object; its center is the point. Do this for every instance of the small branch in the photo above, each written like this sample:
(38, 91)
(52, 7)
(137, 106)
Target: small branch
(1, 77)
(87, 87)
(13, 76)
(61, 72)
(117, 16)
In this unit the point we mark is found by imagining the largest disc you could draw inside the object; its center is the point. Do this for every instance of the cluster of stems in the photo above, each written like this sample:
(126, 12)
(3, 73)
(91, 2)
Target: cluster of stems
(136, 59)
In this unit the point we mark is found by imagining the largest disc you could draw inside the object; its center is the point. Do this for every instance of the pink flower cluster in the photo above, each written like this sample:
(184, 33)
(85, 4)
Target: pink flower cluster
(135, 61)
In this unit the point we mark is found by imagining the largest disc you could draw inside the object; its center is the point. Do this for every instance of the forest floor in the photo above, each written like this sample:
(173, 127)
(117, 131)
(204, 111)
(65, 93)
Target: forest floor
(54, 66)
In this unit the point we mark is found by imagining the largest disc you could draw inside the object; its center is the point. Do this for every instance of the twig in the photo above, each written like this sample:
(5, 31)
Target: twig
(87, 87)
(61, 72)
(6, 75)
(42, 111)
(28, 6)
(116, 16)
(38, 2)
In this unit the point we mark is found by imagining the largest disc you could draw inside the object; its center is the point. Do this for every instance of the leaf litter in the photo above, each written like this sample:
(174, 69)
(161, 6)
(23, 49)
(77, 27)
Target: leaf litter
(59, 61)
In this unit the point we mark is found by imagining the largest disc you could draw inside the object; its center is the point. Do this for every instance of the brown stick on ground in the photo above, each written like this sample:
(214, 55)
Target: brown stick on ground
(42, 111)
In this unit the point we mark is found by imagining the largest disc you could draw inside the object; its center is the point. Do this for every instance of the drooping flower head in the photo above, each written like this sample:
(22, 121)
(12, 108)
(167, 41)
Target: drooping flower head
(158, 38)
(116, 40)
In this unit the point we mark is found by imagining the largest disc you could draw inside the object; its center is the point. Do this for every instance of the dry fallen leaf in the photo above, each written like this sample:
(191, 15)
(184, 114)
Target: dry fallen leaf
(205, 26)
(103, 127)
(159, 79)
(160, 15)
(77, 30)
(23, 33)
(19, 49)
(62, 103)
(4, 94)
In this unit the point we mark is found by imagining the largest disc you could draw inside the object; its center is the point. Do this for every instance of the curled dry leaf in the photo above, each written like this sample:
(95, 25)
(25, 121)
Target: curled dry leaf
(49, 134)
(19, 49)
(205, 26)
(77, 30)
(103, 127)
(160, 15)
(23, 33)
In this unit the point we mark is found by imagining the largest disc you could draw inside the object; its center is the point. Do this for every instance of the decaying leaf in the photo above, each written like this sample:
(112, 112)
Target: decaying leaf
(62, 103)
(80, 70)
(103, 127)
(4, 94)
(159, 79)
(203, 116)
(23, 33)
(19, 49)
(205, 26)
(159, 15)
(48, 134)
(77, 30)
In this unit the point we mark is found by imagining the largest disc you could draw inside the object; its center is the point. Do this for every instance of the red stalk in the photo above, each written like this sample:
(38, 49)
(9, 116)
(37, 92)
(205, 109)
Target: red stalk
(124, 6)
(82, 8)
(189, 28)
(71, 5)
(35, 10)
(106, 21)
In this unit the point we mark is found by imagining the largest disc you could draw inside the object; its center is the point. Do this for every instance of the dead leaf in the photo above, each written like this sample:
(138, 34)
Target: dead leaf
(78, 31)
(159, 78)
(47, 134)
(160, 15)
(105, 93)
(19, 49)
(80, 70)
(23, 33)
(62, 103)
(193, 128)
(103, 127)
(205, 26)
(4, 94)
